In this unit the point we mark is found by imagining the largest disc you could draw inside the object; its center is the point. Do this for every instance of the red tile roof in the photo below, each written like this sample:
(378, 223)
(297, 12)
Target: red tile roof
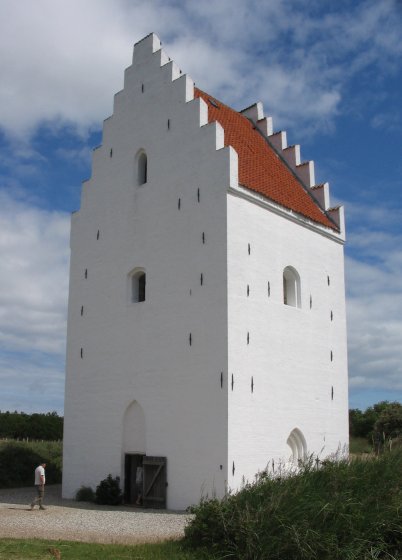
(260, 169)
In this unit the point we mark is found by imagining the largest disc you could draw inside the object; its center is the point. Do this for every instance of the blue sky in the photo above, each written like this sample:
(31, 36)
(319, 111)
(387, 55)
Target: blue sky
(330, 73)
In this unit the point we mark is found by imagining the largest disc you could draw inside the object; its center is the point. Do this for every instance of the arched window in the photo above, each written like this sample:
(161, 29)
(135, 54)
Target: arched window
(291, 287)
(298, 446)
(138, 281)
(142, 165)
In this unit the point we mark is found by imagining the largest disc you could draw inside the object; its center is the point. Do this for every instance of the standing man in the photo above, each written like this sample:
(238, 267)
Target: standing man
(40, 481)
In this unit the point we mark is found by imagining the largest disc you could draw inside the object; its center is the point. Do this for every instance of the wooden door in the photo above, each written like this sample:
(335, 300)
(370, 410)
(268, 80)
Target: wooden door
(131, 489)
(154, 482)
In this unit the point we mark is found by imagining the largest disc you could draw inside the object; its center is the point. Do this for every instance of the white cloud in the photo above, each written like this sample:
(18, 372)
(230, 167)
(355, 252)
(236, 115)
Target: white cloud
(34, 252)
(387, 120)
(374, 307)
(34, 256)
(58, 59)
(31, 383)
(61, 61)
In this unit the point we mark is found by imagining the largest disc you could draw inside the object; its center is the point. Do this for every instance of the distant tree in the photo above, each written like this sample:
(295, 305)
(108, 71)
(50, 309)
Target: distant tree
(360, 424)
(19, 425)
(383, 419)
(389, 421)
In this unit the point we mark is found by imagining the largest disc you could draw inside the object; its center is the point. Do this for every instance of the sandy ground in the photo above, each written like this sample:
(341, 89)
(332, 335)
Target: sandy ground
(81, 521)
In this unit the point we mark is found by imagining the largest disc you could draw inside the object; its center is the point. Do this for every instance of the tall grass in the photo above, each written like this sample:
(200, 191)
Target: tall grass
(342, 511)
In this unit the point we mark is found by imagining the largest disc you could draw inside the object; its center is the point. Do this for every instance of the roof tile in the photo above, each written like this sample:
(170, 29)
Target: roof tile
(260, 168)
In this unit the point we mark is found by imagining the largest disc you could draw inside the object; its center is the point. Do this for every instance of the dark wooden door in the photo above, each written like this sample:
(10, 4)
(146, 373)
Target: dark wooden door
(154, 482)
(131, 488)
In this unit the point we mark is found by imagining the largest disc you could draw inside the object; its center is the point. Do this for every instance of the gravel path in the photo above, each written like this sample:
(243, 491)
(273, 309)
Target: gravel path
(81, 521)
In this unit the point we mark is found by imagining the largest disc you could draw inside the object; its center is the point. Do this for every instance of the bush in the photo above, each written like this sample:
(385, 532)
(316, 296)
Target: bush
(85, 494)
(340, 511)
(18, 461)
(108, 491)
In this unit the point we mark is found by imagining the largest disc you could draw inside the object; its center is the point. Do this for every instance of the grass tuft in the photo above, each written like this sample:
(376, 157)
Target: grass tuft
(341, 511)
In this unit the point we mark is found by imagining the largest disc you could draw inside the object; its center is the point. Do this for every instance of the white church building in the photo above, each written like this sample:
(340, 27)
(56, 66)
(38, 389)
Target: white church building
(206, 324)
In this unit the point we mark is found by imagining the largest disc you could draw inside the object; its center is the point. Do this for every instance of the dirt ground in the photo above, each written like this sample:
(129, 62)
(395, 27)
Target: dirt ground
(81, 521)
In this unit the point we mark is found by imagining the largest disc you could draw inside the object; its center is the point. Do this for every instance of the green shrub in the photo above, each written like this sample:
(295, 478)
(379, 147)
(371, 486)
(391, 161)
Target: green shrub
(108, 491)
(18, 461)
(341, 511)
(85, 494)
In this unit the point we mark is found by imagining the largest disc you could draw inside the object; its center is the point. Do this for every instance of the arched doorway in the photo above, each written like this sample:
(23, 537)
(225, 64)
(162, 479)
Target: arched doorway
(134, 449)
(145, 479)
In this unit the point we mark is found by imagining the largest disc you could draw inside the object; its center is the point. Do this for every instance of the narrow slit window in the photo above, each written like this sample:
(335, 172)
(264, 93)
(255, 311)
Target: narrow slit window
(142, 168)
(141, 287)
(138, 286)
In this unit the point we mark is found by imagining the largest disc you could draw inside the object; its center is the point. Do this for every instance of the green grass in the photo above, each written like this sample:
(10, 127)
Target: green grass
(342, 511)
(18, 549)
(359, 445)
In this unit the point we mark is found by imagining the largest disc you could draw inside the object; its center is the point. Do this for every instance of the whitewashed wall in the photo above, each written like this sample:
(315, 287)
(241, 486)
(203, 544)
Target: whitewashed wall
(141, 351)
(289, 349)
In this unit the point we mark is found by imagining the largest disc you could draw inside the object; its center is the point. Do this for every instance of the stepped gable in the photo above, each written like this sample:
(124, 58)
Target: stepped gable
(260, 168)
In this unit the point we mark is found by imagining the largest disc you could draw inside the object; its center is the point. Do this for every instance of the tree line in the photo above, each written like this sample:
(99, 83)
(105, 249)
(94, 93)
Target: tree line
(38, 426)
(380, 421)
(383, 418)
